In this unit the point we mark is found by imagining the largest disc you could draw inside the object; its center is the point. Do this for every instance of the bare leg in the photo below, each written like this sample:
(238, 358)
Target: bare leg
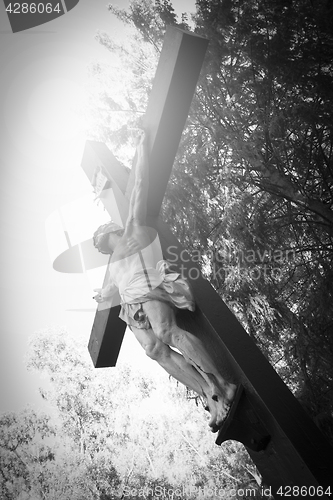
(175, 364)
(163, 322)
(138, 201)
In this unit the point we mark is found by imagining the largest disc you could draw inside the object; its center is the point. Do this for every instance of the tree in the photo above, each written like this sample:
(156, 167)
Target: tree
(120, 430)
(24, 452)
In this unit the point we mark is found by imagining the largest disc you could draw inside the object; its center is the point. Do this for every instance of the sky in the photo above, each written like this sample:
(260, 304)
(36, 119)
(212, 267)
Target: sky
(42, 75)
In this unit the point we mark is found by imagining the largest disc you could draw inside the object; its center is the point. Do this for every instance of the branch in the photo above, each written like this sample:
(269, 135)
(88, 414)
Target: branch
(194, 449)
(279, 184)
(150, 461)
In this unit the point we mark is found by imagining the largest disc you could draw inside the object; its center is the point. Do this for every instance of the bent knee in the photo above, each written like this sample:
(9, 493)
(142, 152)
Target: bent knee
(164, 332)
(156, 350)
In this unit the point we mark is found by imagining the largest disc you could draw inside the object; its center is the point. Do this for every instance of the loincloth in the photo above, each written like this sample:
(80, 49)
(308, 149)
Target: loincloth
(173, 290)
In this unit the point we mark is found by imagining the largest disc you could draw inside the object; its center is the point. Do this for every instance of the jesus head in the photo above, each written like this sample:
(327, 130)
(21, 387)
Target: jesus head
(107, 236)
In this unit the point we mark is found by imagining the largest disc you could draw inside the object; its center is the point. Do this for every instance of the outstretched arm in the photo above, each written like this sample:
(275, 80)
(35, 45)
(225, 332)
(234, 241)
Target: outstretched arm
(138, 202)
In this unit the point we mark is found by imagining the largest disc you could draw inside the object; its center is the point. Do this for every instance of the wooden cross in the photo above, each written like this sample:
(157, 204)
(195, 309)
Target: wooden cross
(174, 85)
(282, 440)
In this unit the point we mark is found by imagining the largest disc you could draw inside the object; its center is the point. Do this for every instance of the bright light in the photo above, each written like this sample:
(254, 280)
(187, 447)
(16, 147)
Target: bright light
(53, 109)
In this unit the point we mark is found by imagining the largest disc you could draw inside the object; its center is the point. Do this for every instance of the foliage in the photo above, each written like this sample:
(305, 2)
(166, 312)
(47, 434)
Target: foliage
(252, 184)
(25, 451)
(113, 433)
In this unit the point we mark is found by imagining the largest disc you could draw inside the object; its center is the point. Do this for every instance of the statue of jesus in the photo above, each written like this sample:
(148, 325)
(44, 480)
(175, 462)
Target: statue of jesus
(150, 295)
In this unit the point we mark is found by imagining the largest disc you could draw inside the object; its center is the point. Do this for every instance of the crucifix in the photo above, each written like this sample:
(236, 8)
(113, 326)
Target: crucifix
(284, 443)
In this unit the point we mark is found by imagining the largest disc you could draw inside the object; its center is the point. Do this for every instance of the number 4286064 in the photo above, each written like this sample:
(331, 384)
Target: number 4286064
(33, 8)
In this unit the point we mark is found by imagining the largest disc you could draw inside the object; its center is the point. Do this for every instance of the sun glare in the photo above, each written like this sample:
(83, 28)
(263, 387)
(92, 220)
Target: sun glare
(53, 109)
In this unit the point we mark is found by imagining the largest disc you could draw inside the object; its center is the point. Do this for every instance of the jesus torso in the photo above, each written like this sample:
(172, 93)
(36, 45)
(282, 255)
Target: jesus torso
(133, 265)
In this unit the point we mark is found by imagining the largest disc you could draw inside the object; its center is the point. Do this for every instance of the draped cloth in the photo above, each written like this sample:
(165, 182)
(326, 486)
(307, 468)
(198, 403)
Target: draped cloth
(162, 285)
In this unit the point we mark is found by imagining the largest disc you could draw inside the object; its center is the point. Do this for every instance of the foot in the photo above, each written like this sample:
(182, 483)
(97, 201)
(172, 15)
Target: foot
(218, 413)
(141, 137)
(212, 409)
(220, 406)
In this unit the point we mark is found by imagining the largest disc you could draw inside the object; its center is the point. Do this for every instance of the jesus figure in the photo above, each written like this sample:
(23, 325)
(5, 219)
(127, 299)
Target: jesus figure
(150, 295)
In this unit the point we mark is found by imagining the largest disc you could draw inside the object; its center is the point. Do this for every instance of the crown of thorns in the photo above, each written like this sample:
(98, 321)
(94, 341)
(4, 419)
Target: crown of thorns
(102, 232)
